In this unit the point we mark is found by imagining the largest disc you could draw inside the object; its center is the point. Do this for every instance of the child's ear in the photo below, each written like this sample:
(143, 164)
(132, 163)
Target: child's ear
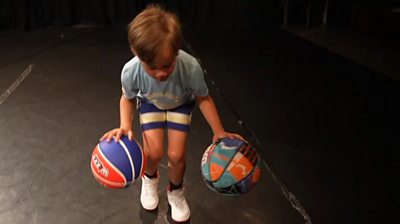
(133, 51)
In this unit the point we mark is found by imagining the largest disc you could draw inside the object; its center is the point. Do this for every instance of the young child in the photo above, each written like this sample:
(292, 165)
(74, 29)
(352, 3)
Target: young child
(164, 83)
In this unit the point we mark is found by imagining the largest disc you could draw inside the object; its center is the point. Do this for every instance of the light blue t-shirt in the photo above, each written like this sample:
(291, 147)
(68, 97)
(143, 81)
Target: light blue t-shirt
(182, 86)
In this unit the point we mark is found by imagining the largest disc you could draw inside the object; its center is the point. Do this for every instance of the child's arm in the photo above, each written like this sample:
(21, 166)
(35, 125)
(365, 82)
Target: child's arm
(210, 113)
(127, 110)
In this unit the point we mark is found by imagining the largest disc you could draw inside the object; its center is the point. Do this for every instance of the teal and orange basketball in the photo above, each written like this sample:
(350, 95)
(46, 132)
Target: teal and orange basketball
(230, 166)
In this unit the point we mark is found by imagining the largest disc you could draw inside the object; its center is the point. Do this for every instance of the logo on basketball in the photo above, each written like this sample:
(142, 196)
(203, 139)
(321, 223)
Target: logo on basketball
(117, 164)
(204, 159)
(100, 168)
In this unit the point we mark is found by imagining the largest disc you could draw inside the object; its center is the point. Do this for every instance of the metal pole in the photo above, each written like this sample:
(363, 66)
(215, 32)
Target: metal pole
(308, 15)
(285, 13)
(325, 16)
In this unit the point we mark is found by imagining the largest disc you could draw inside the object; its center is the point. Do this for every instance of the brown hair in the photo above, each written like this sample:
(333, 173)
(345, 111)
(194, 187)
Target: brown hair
(152, 30)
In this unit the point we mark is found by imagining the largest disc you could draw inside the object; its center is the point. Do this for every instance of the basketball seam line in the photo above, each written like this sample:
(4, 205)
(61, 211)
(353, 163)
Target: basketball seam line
(112, 165)
(128, 154)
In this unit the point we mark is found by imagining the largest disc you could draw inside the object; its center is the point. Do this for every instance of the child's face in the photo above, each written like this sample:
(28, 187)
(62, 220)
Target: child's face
(163, 66)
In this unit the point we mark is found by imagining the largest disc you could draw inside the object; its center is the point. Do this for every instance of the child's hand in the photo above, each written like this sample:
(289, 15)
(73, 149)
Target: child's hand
(227, 135)
(117, 133)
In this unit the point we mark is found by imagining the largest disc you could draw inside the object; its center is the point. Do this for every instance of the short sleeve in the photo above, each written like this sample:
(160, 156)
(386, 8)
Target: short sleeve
(129, 87)
(197, 81)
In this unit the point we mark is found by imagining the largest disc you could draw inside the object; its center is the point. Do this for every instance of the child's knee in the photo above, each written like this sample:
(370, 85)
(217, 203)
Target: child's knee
(176, 156)
(155, 154)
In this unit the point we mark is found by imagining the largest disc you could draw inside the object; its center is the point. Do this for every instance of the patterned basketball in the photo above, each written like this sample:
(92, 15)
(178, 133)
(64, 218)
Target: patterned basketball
(230, 166)
(117, 164)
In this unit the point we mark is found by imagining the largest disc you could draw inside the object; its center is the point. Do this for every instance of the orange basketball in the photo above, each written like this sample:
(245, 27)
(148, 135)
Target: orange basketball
(117, 164)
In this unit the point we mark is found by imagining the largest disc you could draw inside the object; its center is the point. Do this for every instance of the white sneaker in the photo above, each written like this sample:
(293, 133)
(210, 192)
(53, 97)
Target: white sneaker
(149, 194)
(179, 207)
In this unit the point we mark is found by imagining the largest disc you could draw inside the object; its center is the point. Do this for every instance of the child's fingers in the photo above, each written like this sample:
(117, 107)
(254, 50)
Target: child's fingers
(110, 135)
(130, 135)
(103, 137)
(240, 137)
(215, 138)
(118, 135)
(233, 135)
(107, 136)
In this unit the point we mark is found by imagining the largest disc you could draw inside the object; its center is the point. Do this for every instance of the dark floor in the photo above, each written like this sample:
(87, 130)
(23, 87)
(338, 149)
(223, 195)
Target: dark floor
(378, 53)
(51, 122)
(326, 128)
(327, 124)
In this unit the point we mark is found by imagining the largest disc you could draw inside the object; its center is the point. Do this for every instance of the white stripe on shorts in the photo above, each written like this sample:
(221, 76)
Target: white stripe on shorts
(179, 118)
(150, 117)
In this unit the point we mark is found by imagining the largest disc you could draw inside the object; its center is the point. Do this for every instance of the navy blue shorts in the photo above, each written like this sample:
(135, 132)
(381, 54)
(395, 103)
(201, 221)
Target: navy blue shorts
(179, 118)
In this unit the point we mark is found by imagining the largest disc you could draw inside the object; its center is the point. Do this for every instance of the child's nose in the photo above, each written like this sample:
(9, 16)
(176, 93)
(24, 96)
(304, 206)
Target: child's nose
(162, 75)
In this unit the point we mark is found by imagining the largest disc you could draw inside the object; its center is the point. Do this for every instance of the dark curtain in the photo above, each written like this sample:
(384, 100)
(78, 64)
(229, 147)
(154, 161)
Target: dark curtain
(34, 14)
(362, 15)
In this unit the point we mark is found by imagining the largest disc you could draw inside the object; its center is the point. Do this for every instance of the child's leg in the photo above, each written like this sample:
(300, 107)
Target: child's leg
(178, 122)
(177, 140)
(153, 140)
(177, 155)
(153, 146)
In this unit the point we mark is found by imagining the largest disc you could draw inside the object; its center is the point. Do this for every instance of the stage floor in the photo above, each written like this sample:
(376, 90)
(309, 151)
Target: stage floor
(325, 139)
